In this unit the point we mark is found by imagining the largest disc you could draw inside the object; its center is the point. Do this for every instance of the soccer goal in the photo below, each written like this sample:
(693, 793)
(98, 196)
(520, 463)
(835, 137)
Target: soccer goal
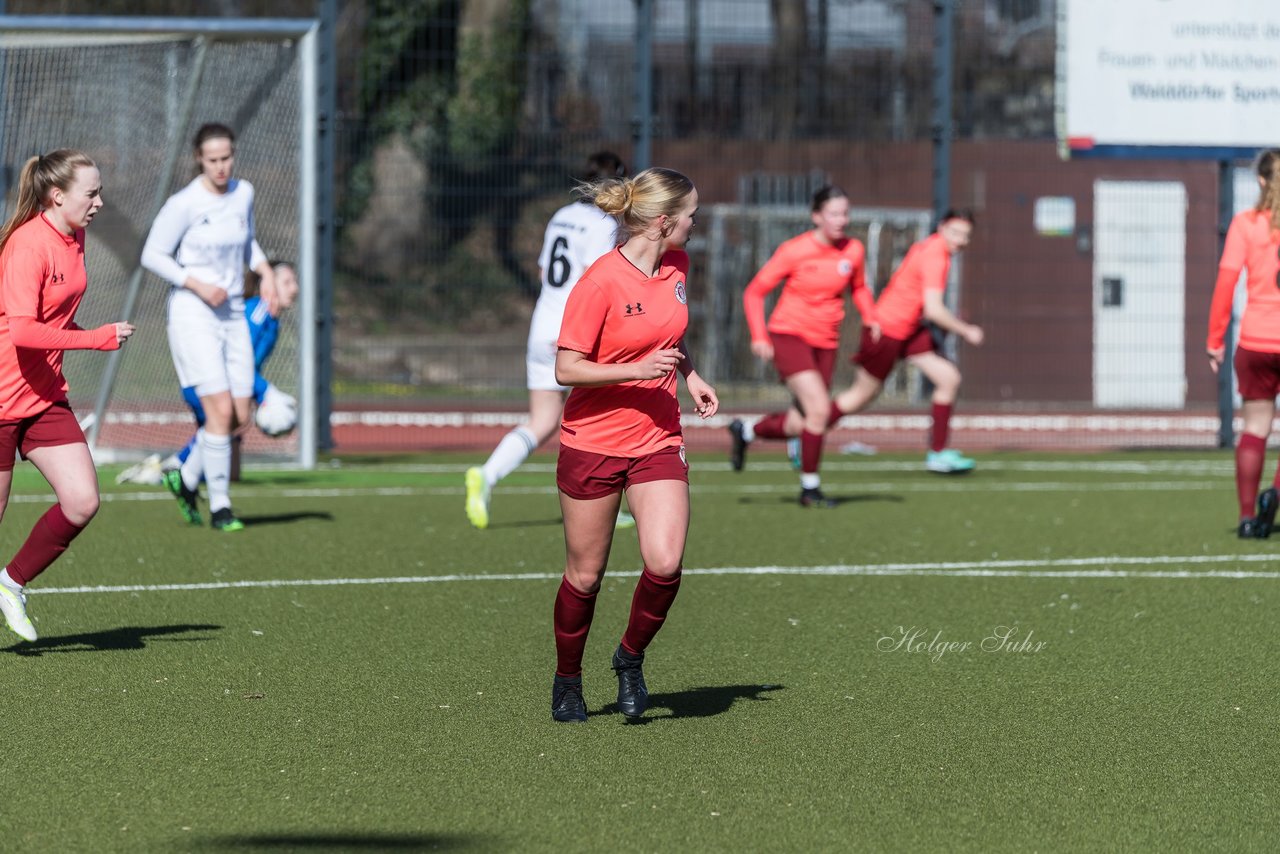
(131, 92)
(735, 243)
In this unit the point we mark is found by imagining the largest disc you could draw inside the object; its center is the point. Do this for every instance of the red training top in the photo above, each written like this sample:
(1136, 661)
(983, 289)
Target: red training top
(616, 314)
(42, 280)
(811, 306)
(901, 303)
(1251, 243)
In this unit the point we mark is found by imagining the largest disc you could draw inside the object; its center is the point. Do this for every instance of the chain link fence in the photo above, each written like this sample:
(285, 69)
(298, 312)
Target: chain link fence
(462, 125)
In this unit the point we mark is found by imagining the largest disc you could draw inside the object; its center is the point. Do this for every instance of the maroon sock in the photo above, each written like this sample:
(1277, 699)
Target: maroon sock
(49, 538)
(649, 606)
(772, 426)
(835, 415)
(810, 451)
(941, 426)
(572, 619)
(1249, 456)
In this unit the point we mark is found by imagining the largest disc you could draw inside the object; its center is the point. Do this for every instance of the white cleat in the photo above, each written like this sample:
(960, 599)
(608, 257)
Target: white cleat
(14, 607)
(150, 471)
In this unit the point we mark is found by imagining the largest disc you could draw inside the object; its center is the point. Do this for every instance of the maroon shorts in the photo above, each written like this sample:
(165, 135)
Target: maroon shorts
(56, 425)
(792, 354)
(585, 476)
(1257, 374)
(878, 357)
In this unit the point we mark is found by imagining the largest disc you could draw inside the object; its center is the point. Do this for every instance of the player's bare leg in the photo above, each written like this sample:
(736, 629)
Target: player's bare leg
(588, 536)
(662, 523)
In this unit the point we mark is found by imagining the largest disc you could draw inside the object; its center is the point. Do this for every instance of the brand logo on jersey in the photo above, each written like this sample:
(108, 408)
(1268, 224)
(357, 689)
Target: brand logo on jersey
(845, 267)
(634, 310)
(680, 293)
(57, 279)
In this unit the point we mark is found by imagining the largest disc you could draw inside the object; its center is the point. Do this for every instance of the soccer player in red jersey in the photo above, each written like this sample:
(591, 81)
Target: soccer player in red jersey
(1253, 244)
(42, 280)
(621, 343)
(912, 299)
(802, 336)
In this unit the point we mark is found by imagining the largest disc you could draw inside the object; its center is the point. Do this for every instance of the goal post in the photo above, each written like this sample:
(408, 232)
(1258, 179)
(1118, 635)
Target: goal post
(130, 92)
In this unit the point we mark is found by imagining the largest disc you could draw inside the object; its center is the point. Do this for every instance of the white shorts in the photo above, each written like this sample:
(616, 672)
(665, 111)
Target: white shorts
(211, 348)
(540, 365)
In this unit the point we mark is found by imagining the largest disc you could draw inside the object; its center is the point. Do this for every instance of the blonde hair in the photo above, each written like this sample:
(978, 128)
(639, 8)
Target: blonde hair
(1268, 168)
(40, 176)
(637, 202)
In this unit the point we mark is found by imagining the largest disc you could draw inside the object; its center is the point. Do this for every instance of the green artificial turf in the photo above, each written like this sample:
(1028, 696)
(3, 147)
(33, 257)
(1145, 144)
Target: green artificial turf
(1125, 711)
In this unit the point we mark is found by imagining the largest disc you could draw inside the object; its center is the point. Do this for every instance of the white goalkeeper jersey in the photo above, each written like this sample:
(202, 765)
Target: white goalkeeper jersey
(577, 235)
(207, 236)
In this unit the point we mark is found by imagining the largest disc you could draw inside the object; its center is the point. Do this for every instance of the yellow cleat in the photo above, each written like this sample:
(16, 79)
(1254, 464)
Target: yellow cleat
(477, 498)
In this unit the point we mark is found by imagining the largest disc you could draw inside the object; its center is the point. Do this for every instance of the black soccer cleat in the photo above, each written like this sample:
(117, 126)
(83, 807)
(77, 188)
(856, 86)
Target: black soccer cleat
(633, 696)
(738, 450)
(1266, 519)
(225, 520)
(1248, 529)
(815, 498)
(567, 705)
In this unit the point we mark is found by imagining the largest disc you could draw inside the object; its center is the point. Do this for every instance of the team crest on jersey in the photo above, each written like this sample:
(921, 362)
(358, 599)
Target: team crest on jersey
(846, 267)
(680, 293)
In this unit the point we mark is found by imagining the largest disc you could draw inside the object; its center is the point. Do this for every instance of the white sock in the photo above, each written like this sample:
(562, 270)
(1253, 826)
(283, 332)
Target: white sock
(217, 469)
(748, 431)
(513, 450)
(193, 469)
(8, 582)
(810, 480)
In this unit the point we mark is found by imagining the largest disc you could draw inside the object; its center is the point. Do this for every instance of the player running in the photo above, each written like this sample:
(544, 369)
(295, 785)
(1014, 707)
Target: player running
(911, 301)
(42, 281)
(576, 236)
(1252, 244)
(819, 267)
(620, 346)
(275, 412)
(200, 243)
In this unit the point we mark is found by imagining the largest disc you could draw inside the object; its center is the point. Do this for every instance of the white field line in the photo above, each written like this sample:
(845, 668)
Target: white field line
(1175, 422)
(835, 488)
(855, 463)
(1061, 568)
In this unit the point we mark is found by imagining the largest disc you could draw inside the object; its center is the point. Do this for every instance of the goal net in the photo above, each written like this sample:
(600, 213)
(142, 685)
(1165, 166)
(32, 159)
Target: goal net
(131, 93)
(734, 244)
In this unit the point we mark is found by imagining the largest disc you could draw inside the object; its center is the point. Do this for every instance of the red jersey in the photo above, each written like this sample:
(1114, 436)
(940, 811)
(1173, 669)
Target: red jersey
(1253, 244)
(811, 306)
(617, 314)
(900, 307)
(42, 280)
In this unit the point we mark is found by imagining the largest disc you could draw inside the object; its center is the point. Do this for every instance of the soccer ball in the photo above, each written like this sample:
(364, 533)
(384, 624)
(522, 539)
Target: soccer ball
(277, 415)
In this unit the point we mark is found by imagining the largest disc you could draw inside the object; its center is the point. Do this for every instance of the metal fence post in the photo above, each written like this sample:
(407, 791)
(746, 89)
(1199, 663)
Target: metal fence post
(1226, 396)
(643, 121)
(943, 60)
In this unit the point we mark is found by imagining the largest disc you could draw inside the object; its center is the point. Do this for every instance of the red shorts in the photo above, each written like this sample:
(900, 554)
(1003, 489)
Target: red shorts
(585, 476)
(878, 357)
(56, 425)
(792, 354)
(1257, 374)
